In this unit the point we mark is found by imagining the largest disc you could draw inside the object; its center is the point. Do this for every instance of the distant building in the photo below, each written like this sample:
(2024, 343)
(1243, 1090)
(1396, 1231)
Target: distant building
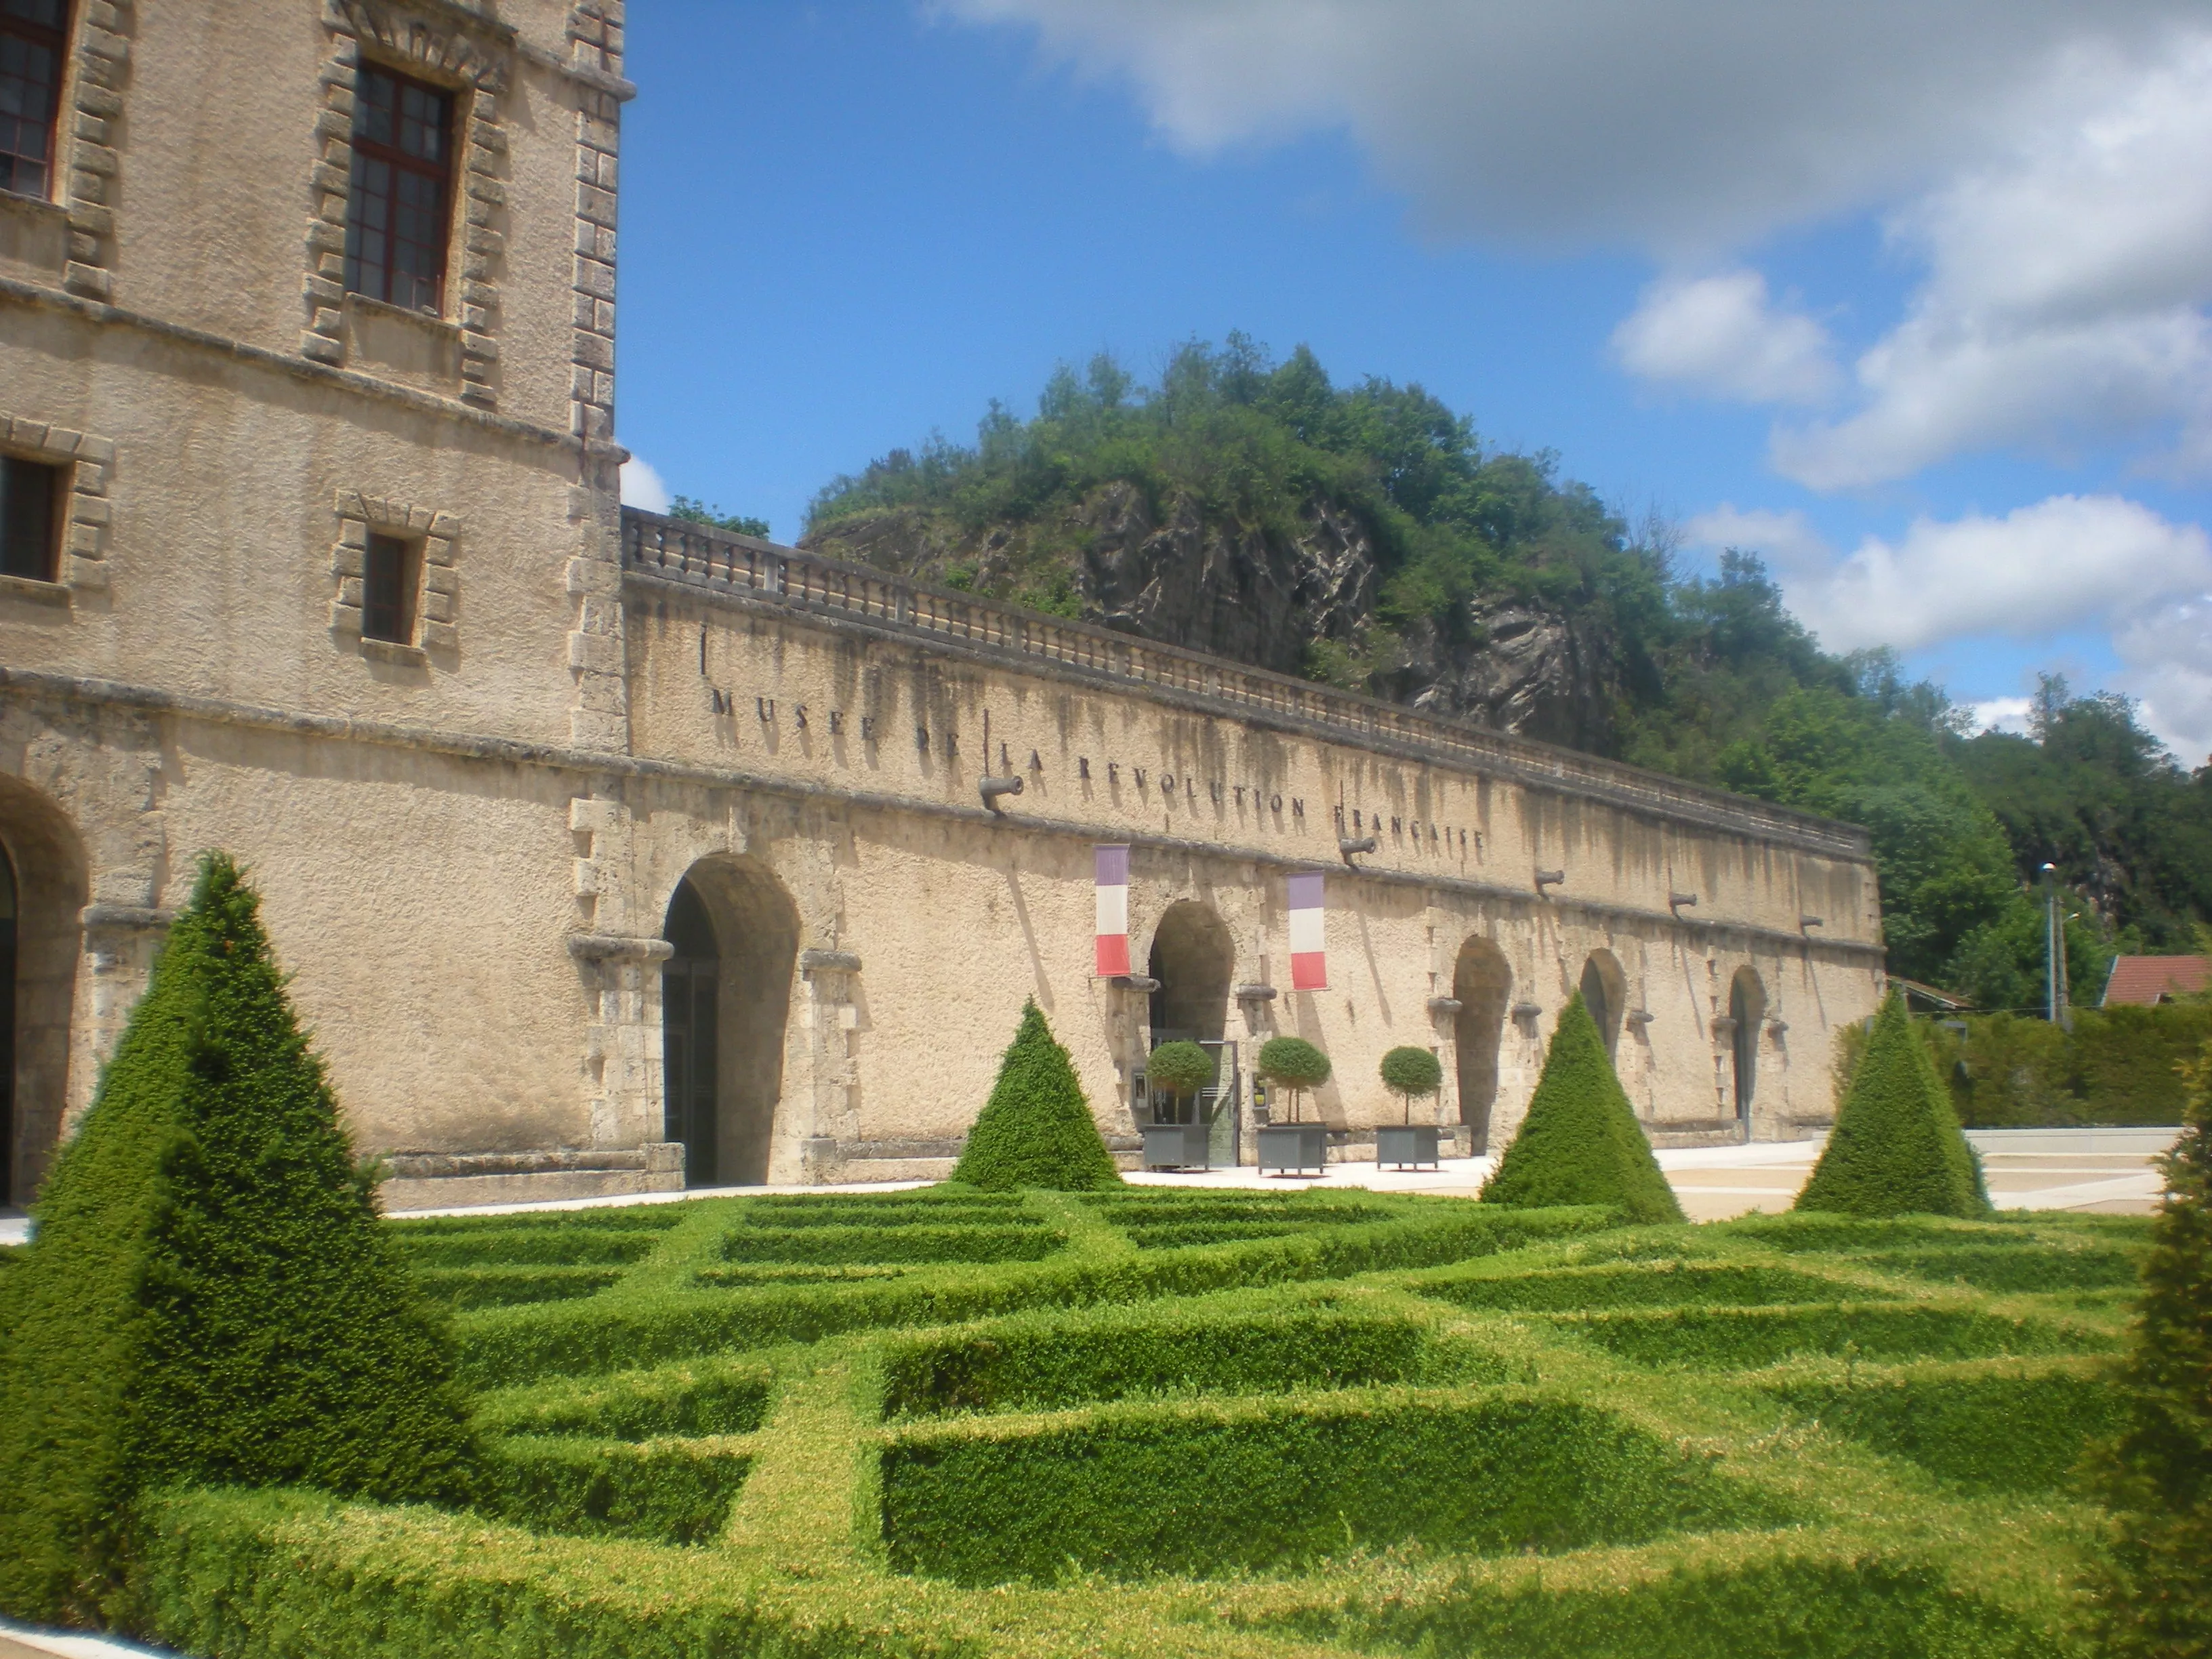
(2145, 982)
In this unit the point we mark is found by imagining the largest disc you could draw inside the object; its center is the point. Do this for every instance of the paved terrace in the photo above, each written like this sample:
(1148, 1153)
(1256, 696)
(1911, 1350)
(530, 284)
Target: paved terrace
(2090, 1171)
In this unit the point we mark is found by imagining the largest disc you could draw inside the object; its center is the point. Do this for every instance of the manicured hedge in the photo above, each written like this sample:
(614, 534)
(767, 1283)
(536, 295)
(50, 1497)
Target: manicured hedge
(2018, 1269)
(1176, 1236)
(1897, 1148)
(827, 1246)
(2118, 1066)
(1817, 1232)
(707, 1396)
(832, 1213)
(635, 1218)
(673, 1492)
(1993, 1432)
(212, 1296)
(1037, 1362)
(1782, 1608)
(1580, 1143)
(638, 1327)
(1662, 1286)
(513, 1247)
(1197, 1491)
(509, 1287)
(1717, 1339)
(1036, 1129)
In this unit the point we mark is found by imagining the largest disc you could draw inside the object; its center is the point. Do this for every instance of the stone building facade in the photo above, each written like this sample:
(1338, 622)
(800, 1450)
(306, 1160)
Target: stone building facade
(608, 852)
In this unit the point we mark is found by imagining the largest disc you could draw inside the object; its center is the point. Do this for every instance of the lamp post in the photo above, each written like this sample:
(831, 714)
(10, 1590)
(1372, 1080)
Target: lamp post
(2054, 953)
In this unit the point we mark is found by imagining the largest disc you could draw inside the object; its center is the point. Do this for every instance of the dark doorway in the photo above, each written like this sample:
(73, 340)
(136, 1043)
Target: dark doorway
(7, 1026)
(1605, 993)
(691, 1016)
(1193, 959)
(1482, 985)
(1746, 1013)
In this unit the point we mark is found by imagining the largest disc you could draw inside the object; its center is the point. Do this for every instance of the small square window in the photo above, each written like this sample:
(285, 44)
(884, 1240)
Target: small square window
(28, 495)
(390, 574)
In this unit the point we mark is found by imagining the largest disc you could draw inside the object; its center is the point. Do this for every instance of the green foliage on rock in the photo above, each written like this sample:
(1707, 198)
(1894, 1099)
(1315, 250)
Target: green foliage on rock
(2157, 1594)
(1409, 1072)
(1581, 1143)
(1036, 1129)
(1180, 1068)
(211, 1297)
(1897, 1148)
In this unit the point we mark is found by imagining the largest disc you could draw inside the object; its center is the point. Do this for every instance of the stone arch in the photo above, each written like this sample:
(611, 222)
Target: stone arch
(726, 1004)
(1605, 993)
(41, 943)
(1193, 957)
(1746, 1014)
(1482, 985)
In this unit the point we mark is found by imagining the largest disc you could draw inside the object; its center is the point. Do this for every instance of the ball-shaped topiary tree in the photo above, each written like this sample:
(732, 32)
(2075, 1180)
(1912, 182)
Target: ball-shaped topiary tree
(1294, 1063)
(1408, 1072)
(1180, 1068)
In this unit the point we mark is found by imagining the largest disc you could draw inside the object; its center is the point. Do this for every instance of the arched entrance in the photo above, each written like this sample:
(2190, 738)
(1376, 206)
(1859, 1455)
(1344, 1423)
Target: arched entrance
(1605, 993)
(1482, 985)
(1746, 1013)
(725, 999)
(42, 892)
(1193, 957)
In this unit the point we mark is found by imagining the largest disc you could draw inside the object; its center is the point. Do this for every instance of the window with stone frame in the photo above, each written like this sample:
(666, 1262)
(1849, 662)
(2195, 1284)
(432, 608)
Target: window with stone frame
(30, 499)
(399, 206)
(33, 49)
(391, 572)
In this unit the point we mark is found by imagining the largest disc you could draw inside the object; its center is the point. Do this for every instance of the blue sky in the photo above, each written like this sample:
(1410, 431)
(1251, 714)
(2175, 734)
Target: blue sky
(846, 226)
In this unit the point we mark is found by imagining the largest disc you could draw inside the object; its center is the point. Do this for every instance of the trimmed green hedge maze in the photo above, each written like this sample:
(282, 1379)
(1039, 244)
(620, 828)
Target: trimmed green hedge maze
(949, 1424)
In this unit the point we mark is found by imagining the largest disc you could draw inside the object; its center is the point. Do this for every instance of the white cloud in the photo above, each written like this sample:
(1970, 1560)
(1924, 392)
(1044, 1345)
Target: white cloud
(2065, 563)
(641, 487)
(2002, 714)
(1721, 335)
(2063, 299)
(1787, 541)
(2166, 653)
(1676, 126)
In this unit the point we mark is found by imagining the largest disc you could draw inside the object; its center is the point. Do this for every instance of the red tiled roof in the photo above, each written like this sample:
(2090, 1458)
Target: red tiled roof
(2146, 980)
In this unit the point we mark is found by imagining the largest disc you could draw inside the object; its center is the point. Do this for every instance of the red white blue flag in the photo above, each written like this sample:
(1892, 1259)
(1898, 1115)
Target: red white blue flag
(1112, 865)
(1309, 938)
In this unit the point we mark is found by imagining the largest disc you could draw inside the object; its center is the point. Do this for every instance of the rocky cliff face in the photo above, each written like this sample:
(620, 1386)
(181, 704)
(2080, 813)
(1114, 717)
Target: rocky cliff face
(1263, 599)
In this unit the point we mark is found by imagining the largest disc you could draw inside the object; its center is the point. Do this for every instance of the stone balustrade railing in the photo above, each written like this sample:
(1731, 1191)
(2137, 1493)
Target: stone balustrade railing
(702, 556)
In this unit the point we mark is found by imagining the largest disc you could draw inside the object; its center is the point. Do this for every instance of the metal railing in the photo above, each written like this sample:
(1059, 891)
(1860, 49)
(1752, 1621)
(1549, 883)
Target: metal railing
(700, 555)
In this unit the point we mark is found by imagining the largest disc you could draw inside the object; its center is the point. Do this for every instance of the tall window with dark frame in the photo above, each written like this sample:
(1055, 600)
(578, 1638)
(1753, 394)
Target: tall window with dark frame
(34, 41)
(398, 219)
(387, 590)
(28, 494)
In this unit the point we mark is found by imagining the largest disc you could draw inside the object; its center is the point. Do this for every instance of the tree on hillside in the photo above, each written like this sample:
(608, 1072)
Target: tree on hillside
(1036, 1129)
(1581, 1143)
(211, 1297)
(2155, 1595)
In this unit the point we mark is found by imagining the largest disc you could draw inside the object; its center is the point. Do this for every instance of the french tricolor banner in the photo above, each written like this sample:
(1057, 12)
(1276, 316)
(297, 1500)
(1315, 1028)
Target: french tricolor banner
(1309, 938)
(1112, 864)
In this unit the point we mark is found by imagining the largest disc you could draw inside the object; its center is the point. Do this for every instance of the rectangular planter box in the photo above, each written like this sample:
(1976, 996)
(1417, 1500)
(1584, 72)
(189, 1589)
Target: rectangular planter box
(1293, 1146)
(1175, 1145)
(1407, 1145)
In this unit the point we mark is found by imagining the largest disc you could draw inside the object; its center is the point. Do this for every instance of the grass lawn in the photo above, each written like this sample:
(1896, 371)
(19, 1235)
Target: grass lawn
(1180, 1422)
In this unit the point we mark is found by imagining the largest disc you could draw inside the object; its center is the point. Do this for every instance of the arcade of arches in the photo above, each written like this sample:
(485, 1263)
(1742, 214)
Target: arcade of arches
(42, 934)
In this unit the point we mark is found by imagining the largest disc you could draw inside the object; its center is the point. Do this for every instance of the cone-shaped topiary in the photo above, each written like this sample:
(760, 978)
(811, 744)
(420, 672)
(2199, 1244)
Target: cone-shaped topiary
(1036, 1128)
(2155, 1594)
(1897, 1148)
(1581, 1143)
(210, 1296)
